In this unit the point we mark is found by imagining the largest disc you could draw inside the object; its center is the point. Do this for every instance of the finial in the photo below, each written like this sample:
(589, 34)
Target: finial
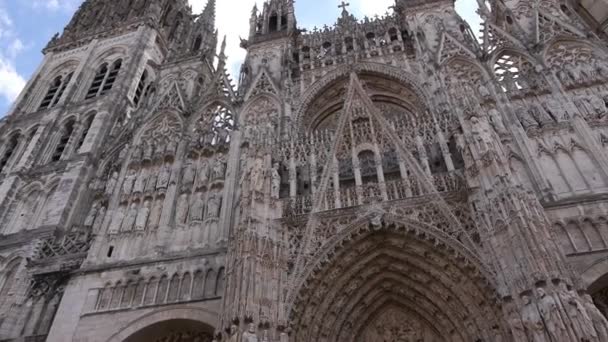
(343, 6)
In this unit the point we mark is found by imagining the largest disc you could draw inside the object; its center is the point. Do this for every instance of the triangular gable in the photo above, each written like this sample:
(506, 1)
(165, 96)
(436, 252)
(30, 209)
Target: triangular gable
(550, 27)
(171, 99)
(496, 38)
(450, 47)
(263, 84)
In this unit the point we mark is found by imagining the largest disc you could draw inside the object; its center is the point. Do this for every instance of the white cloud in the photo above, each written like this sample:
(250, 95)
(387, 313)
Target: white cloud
(54, 5)
(11, 82)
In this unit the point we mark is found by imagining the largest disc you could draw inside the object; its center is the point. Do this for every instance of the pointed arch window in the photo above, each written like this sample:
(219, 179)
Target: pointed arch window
(11, 147)
(104, 79)
(85, 131)
(197, 43)
(141, 86)
(273, 23)
(66, 133)
(55, 91)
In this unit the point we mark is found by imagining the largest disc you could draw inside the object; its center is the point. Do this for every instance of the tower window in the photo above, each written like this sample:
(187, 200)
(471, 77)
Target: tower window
(67, 131)
(104, 79)
(273, 23)
(85, 132)
(55, 92)
(284, 23)
(139, 92)
(10, 151)
(197, 43)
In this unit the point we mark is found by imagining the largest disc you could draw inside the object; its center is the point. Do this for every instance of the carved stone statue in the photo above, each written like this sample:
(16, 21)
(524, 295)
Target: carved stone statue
(196, 210)
(234, 334)
(127, 186)
(213, 206)
(181, 211)
(483, 91)
(581, 323)
(129, 222)
(275, 182)
(533, 321)
(142, 216)
(111, 182)
(203, 173)
(156, 213)
(549, 309)
(116, 222)
(257, 176)
(187, 177)
(496, 121)
(140, 183)
(90, 219)
(515, 323)
(599, 321)
(163, 177)
(250, 335)
(219, 169)
(598, 105)
(99, 219)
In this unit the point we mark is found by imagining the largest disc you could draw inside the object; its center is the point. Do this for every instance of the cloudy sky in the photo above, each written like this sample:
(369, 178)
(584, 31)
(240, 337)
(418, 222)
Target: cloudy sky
(27, 25)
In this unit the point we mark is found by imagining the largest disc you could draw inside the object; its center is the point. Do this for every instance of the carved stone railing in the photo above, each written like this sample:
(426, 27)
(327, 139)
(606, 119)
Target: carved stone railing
(62, 252)
(373, 192)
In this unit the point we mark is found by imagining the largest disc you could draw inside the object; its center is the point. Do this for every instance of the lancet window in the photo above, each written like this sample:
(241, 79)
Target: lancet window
(8, 153)
(104, 79)
(141, 88)
(55, 91)
(66, 133)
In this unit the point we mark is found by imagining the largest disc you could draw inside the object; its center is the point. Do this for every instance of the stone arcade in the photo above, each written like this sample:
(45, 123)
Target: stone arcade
(383, 179)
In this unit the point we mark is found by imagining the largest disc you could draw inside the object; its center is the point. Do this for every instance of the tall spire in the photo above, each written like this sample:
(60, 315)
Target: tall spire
(209, 12)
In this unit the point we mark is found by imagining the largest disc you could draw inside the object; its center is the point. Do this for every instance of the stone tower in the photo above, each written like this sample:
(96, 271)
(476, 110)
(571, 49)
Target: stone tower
(398, 178)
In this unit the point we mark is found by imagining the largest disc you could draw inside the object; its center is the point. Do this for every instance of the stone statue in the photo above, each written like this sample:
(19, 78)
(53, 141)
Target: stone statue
(483, 91)
(116, 221)
(196, 210)
(257, 176)
(555, 109)
(234, 334)
(599, 321)
(187, 177)
(140, 183)
(99, 219)
(549, 309)
(156, 213)
(525, 118)
(181, 211)
(515, 323)
(127, 186)
(533, 321)
(213, 206)
(90, 219)
(129, 222)
(275, 182)
(142, 216)
(250, 335)
(163, 177)
(219, 169)
(581, 323)
(203, 173)
(598, 105)
(496, 121)
(111, 183)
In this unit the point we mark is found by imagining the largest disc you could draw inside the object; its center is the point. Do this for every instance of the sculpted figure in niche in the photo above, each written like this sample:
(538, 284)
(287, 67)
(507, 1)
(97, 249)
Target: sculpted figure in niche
(533, 321)
(515, 323)
(99, 219)
(116, 221)
(90, 219)
(249, 335)
(129, 221)
(549, 310)
(142, 216)
(148, 151)
(187, 177)
(203, 173)
(598, 105)
(599, 321)
(163, 177)
(581, 323)
(196, 211)
(555, 109)
(234, 334)
(275, 182)
(152, 178)
(140, 183)
(483, 91)
(172, 146)
(156, 213)
(496, 121)
(127, 187)
(181, 212)
(219, 169)
(111, 183)
(525, 118)
(214, 205)
(137, 154)
(481, 132)
(257, 176)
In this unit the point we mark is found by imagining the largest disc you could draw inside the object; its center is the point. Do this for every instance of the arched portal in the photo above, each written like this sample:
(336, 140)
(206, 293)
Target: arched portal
(175, 330)
(392, 285)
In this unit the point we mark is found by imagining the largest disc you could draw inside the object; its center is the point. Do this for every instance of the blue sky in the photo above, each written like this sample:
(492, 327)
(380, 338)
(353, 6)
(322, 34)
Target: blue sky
(27, 25)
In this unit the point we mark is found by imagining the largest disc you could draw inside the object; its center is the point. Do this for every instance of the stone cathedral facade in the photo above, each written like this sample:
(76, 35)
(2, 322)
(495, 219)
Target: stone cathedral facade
(398, 178)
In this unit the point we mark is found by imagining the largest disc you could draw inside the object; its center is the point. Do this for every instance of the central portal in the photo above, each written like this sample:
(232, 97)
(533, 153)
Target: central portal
(395, 285)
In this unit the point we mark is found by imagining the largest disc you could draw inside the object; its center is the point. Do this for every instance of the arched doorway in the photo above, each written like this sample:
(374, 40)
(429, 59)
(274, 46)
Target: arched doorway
(175, 330)
(396, 284)
(599, 293)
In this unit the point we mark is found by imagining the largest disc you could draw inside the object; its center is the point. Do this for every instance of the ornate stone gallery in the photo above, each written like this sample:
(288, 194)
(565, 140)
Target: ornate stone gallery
(397, 178)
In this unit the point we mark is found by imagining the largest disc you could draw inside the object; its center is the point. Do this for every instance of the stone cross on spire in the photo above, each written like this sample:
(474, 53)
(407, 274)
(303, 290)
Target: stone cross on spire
(343, 6)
